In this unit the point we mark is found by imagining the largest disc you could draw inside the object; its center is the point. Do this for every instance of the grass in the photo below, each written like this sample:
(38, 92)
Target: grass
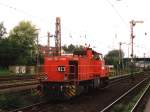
(4, 72)
(17, 100)
(8, 101)
(118, 108)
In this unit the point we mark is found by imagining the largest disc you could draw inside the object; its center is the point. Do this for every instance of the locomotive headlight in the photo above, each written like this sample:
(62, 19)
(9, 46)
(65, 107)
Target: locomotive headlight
(61, 68)
(103, 67)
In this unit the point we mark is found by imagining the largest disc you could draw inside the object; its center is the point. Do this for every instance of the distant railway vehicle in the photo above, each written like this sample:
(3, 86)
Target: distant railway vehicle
(69, 75)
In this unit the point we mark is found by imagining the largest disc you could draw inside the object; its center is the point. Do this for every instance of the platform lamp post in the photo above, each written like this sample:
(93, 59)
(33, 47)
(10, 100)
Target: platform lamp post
(120, 58)
(144, 60)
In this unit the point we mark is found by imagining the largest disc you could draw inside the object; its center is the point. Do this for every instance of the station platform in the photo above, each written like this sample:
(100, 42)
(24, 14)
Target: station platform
(147, 109)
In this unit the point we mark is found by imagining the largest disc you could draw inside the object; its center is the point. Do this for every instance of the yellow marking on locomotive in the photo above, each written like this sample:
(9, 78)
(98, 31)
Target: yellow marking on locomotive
(70, 91)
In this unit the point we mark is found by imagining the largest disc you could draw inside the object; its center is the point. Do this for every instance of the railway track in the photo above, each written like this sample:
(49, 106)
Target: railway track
(127, 96)
(29, 108)
(16, 77)
(18, 86)
(92, 100)
(37, 105)
(141, 102)
(117, 79)
(16, 83)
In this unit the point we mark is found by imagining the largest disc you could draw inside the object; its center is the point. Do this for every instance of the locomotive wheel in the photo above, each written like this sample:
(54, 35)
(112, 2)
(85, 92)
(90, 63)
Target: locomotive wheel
(39, 90)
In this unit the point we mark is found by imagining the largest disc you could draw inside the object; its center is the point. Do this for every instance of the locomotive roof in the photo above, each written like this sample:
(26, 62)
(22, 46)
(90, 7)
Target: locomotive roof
(84, 51)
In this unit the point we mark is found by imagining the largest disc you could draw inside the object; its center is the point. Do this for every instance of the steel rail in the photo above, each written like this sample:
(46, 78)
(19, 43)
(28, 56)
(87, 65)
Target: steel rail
(122, 96)
(16, 77)
(8, 88)
(22, 109)
(116, 79)
(140, 99)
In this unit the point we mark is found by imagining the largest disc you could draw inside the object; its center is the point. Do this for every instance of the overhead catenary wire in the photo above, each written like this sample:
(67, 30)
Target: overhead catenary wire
(120, 16)
(25, 13)
(117, 12)
(22, 12)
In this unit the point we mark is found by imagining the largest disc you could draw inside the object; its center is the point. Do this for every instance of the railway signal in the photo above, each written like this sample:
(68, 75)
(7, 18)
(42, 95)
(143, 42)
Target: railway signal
(132, 24)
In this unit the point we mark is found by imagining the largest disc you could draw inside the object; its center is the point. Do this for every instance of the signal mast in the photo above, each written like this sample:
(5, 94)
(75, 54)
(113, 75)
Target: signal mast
(132, 24)
(58, 37)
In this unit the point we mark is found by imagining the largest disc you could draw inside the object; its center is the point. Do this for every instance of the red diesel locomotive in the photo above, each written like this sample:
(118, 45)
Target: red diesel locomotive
(70, 75)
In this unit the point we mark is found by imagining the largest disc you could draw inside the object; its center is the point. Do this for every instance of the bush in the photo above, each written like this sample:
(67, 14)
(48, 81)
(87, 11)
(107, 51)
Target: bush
(7, 102)
(4, 71)
(118, 108)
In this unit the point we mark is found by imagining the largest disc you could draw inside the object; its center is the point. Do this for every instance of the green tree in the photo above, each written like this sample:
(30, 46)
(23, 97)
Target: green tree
(8, 53)
(2, 30)
(24, 37)
(5, 52)
(4, 47)
(113, 57)
(71, 48)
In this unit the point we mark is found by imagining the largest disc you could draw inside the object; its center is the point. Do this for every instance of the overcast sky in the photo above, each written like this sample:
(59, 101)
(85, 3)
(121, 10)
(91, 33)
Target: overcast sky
(104, 22)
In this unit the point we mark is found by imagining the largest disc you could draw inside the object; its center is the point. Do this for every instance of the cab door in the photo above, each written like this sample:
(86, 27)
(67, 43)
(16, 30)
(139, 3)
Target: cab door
(73, 70)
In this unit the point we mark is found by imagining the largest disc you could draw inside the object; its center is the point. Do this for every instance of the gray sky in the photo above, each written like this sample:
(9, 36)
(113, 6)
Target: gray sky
(104, 22)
